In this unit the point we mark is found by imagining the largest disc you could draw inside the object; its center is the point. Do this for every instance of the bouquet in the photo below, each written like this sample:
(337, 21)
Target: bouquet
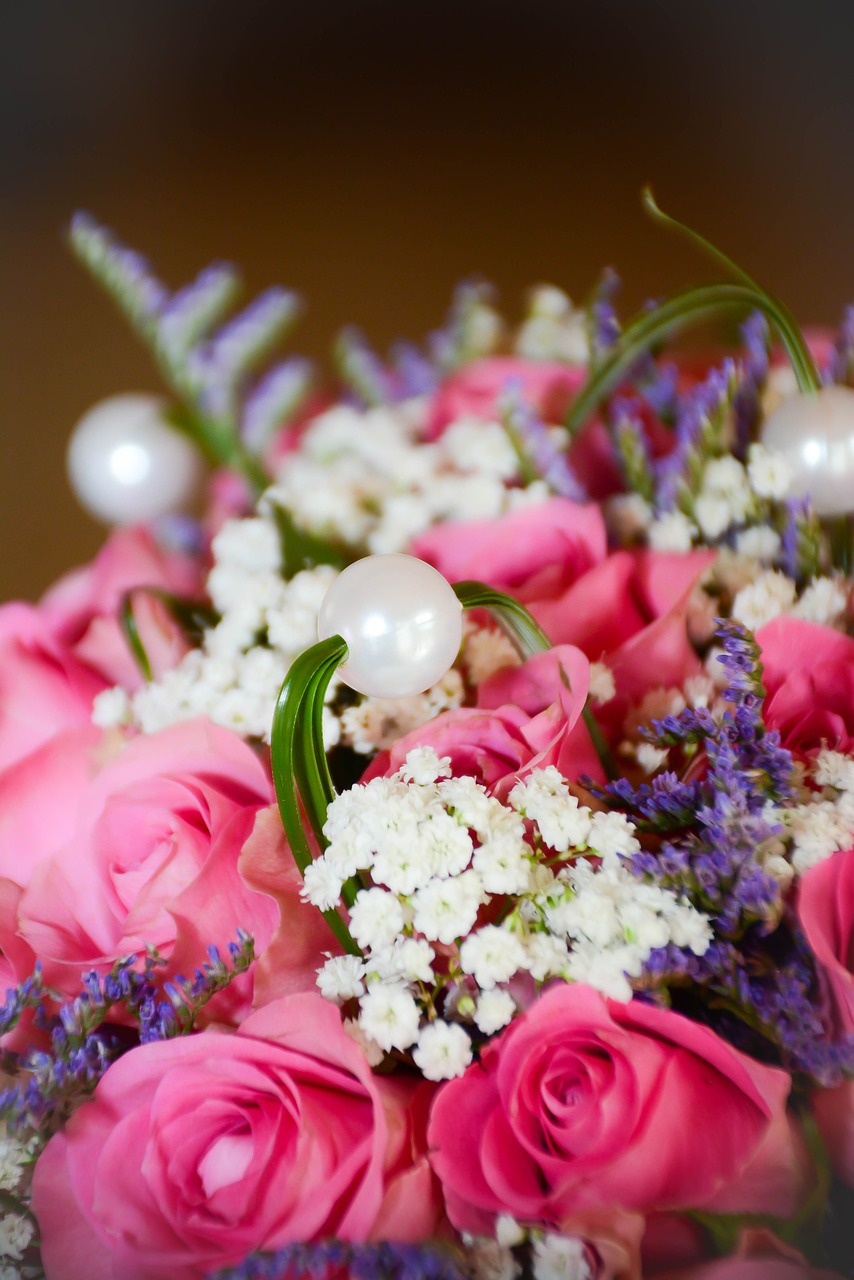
(434, 857)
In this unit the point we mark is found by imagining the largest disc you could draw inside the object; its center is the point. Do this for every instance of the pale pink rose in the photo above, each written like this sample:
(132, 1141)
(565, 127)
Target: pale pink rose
(588, 1104)
(44, 688)
(475, 390)
(118, 843)
(82, 608)
(825, 907)
(808, 671)
(197, 1151)
(527, 717)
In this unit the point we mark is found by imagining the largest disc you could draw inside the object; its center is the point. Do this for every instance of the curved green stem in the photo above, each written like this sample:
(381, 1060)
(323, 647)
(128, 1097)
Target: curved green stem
(291, 762)
(513, 618)
(776, 311)
(683, 309)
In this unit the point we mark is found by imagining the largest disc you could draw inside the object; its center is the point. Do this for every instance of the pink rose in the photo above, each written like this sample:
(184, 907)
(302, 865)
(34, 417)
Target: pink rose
(474, 391)
(82, 608)
(533, 553)
(44, 688)
(302, 936)
(121, 843)
(196, 1151)
(527, 717)
(809, 676)
(826, 912)
(553, 558)
(586, 1104)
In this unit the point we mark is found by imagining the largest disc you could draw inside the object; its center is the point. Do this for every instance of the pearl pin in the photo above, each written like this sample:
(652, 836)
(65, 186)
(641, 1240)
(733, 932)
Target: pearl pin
(815, 433)
(401, 621)
(126, 464)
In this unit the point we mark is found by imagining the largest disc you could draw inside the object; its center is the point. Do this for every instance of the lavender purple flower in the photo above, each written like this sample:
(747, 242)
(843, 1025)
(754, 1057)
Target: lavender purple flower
(385, 1261)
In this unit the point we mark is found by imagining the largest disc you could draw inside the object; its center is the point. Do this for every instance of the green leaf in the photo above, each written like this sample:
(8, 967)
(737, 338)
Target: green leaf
(690, 307)
(776, 311)
(513, 618)
(298, 760)
(304, 550)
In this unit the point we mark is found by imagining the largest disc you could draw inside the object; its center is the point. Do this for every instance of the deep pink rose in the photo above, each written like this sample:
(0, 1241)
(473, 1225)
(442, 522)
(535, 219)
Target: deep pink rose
(527, 717)
(588, 1104)
(82, 608)
(826, 912)
(44, 688)
(194, 1152)
(553, 558)
(534, 553)
(809, 676)
(117, 843)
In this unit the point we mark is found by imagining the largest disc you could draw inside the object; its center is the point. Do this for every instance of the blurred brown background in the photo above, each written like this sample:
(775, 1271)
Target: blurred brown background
(371, 154)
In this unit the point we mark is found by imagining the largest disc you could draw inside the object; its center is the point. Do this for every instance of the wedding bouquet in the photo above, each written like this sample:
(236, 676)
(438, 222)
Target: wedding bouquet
(435, 857)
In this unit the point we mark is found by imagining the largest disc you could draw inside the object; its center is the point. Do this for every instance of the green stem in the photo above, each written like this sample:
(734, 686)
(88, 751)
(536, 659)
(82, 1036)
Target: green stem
(777, 312)
(290, 761)
(513, 618)
(690, 307)
(127, 622)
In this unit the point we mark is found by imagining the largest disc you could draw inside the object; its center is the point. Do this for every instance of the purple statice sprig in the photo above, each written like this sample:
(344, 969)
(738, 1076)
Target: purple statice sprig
(803, 542)
(632, 446)
(84, 1041)
(703, 429)
(207, 357)
(361, 369)
(539, 457)
(187, 997)
(602, 324)
(840, 365)
(382, 1261)
(747, 401)
(472, 327)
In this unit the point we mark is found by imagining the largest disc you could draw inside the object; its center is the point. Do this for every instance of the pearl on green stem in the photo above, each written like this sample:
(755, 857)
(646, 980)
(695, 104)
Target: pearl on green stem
(401, 621)
(816, 434)
(126, 463)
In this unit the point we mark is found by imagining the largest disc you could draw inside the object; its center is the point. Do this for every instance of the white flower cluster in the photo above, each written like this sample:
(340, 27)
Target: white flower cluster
(369, 480)
(771, 593)
(552, 1256)
(439, 852)
(265, 622)
(824, 823)
(554, 329)
(732, 498)
(16, 1230)
(367, 477)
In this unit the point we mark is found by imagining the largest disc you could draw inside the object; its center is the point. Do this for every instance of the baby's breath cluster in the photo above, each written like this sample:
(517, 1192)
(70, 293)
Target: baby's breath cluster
(468, 902)
(823, 822)
(369, 479)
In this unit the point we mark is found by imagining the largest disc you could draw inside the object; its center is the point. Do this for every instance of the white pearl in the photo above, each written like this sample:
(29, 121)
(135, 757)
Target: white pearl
(401, 620)
(816, 434)
(127, 464)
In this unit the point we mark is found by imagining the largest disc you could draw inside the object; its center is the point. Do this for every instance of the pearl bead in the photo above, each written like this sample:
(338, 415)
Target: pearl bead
(401, 620)
(816, 434)
(127, 464)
